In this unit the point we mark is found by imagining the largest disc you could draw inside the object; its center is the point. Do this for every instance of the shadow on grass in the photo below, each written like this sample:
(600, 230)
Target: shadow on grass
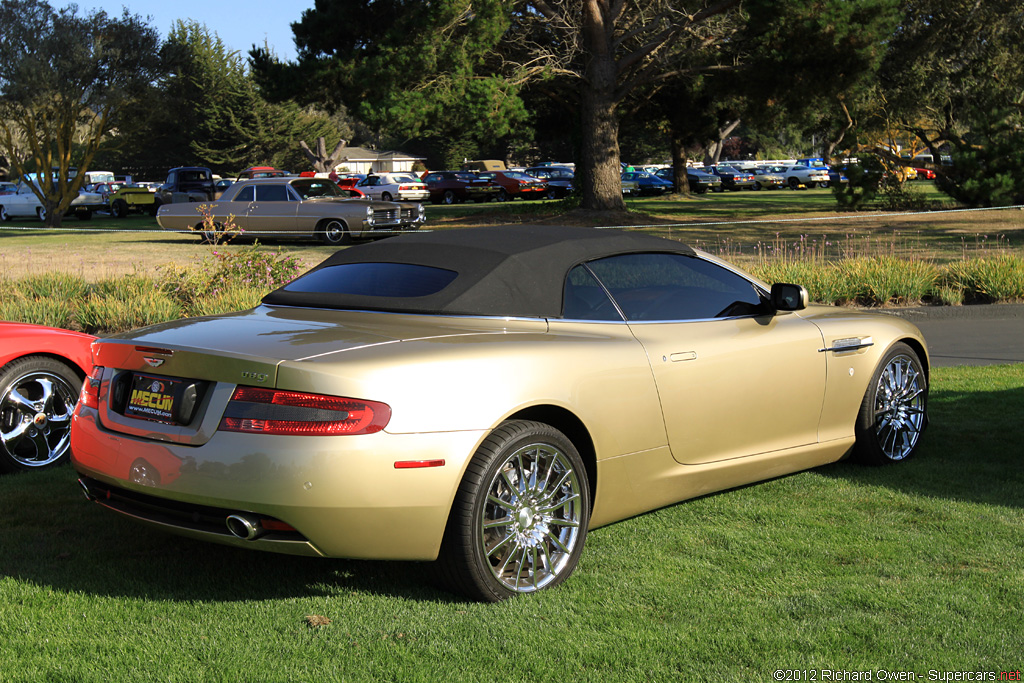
(53, 537)
(971, 450)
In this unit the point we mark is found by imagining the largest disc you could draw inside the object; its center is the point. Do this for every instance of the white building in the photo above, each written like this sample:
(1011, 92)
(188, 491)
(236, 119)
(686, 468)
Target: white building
(360, 160)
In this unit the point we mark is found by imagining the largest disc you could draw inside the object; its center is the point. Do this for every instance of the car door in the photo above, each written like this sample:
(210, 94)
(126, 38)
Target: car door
(735, 378)
(236, 202)
(370, 185)
(274, 210)
(23, 203)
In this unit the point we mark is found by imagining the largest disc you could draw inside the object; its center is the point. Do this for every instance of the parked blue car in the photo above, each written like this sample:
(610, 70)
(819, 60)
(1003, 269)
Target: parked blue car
(649, 184)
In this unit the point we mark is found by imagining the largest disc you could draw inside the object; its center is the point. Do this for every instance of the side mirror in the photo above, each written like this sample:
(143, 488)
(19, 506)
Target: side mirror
(786, 297)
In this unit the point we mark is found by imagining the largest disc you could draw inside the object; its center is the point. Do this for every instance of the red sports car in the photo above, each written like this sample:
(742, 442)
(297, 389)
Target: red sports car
(41, 373)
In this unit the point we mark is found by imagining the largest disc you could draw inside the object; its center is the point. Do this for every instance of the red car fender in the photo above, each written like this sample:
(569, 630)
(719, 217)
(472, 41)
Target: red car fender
(23, 339)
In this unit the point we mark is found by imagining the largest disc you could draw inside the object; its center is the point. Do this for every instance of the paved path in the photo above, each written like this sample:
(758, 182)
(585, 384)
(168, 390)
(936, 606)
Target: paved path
(970, 335)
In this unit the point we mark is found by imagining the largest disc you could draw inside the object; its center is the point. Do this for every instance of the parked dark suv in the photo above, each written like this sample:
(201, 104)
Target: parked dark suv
(186, 184)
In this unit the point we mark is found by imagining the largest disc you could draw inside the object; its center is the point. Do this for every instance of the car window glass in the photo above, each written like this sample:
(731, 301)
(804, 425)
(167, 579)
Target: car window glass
(316, 187)
(271, 193)
(585, 299)
(393, 280)
(246, 194)
(676, 287)
(466, 177)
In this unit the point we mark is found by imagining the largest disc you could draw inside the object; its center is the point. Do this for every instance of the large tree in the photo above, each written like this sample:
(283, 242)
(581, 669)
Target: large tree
(954, 79)
(207, 111)
(409, 69)
(64, 81)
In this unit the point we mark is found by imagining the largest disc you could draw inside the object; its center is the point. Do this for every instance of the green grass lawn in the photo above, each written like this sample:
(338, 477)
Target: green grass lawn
(914, 567)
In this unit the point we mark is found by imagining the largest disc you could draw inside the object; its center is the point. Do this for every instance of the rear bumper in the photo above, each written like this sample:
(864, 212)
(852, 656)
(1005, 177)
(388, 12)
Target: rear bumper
(343, 495)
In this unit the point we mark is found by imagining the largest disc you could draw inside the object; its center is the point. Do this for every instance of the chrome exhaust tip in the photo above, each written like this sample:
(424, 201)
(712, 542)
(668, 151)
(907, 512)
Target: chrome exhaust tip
(244, 527)
(89, 495)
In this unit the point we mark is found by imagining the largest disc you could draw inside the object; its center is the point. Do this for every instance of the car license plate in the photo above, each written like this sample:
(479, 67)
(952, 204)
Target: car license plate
(154, 398)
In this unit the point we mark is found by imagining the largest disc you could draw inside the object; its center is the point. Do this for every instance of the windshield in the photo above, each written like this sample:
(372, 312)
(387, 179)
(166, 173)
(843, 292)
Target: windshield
(316, 187)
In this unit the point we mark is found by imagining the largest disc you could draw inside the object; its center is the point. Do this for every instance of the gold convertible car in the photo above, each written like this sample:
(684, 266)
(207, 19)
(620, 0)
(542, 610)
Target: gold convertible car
(483, 397)
(293, 207)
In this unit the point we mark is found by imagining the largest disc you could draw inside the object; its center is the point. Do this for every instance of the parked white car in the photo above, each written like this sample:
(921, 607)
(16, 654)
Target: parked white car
(394, 187)
(24, 203)
(20, 204)
(803, 175)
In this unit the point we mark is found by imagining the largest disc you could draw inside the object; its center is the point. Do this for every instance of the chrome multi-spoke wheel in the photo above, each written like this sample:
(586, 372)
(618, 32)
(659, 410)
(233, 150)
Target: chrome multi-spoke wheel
(37, 397)
(893, 414)
(530, 522)
(520, 518)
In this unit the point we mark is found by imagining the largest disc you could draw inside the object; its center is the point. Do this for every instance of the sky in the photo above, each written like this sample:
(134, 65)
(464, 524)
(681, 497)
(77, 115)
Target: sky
(239, 23)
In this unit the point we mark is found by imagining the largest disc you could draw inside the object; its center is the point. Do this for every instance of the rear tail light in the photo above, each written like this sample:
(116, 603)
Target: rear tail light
(90, 396)
(255, 410)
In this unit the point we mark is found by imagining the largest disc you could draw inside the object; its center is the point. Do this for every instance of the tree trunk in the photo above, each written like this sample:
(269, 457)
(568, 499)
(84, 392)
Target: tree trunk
(602, 174)
(682, 186)
(714, 153)
(829, 146)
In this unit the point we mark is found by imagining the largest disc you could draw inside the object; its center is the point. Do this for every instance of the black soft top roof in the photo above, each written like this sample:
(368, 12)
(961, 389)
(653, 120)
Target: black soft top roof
(508, 270)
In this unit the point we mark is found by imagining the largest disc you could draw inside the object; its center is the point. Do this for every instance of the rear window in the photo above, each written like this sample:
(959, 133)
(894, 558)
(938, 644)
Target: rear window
(392, 280)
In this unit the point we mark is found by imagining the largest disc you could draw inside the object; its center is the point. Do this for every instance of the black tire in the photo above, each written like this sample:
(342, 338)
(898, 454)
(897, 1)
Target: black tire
(333, 231)
(504, 196)
(823, 186)
(210, 236)
(893, 413)
(4, 216)
(449, 197)
(37, 397)
(41, 213)
(756, 186)
(794, 183)
(541, 543)
(119, 208)
(386, 197)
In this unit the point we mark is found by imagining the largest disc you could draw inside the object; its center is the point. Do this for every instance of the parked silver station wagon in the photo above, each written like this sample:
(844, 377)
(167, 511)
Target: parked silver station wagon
(294, 207)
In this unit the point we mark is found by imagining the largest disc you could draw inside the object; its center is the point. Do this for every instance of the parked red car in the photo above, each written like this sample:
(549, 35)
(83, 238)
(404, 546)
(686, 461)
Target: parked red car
(41, 373)
(452, 187)
(516, 184)
(348, 186)
(925, 173)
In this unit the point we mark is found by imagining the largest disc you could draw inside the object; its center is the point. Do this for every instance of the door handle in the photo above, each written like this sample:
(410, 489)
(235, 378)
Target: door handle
(684, 355)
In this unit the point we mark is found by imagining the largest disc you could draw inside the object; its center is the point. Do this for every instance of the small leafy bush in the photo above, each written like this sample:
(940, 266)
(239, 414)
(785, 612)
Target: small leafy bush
(862, 188)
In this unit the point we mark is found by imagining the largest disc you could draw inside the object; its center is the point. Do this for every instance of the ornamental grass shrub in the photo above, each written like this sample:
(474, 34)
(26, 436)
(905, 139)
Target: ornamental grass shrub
(987, 280)
(226, 282)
